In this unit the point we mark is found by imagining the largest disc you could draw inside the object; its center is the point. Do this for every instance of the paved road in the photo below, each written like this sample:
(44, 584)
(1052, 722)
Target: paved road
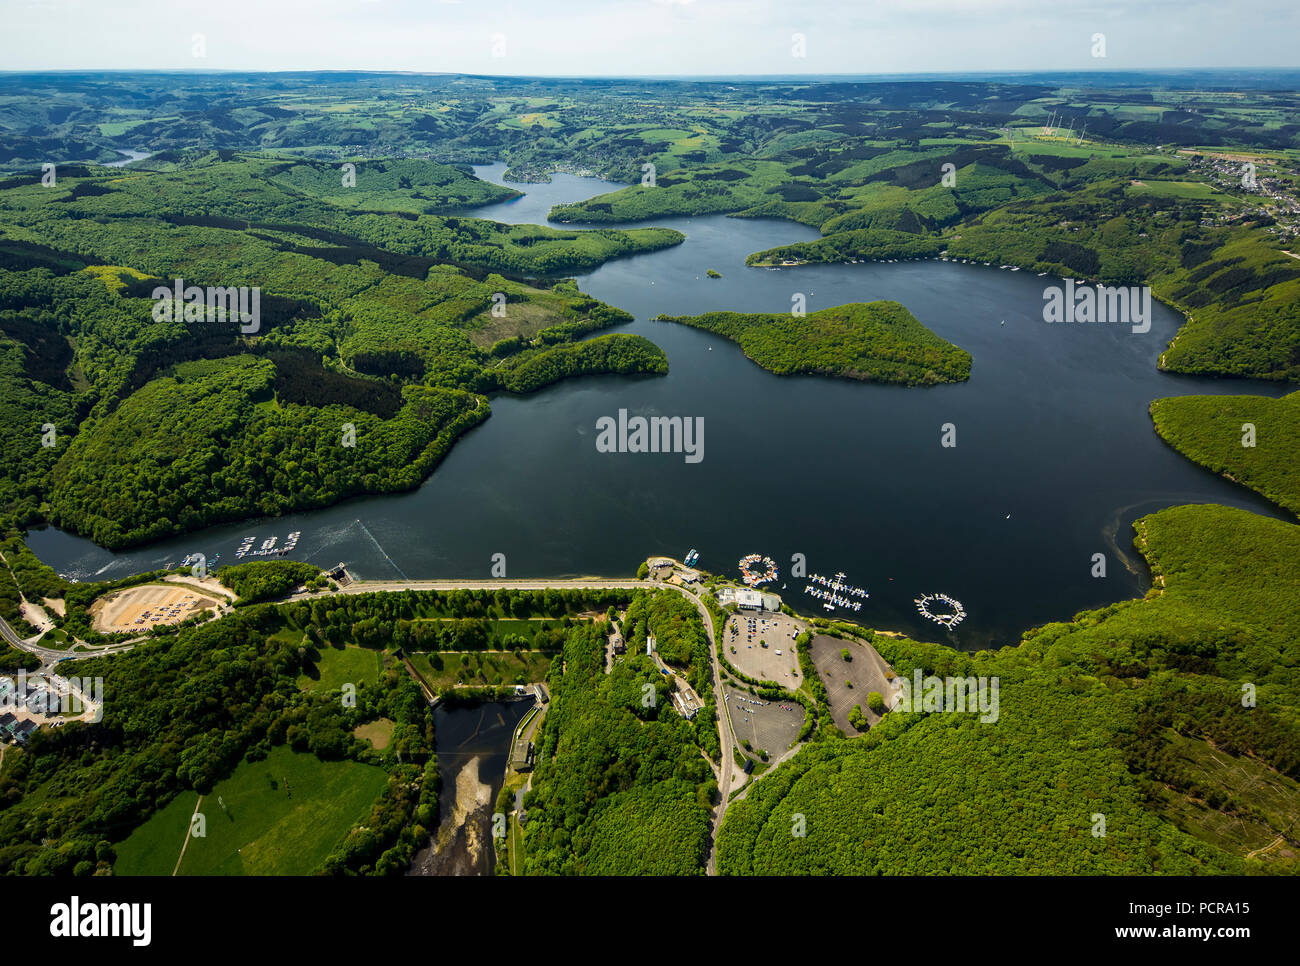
(50, 656)
(573, 583)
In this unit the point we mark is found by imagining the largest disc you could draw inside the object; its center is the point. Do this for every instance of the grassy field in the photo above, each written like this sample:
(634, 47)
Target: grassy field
(280, 816)
(379, 733)
(1178, 189)
(339, 666)
(153, 848)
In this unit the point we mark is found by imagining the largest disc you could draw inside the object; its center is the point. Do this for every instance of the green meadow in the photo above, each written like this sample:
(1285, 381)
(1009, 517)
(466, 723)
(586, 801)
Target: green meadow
(280, 816)
(343, 665)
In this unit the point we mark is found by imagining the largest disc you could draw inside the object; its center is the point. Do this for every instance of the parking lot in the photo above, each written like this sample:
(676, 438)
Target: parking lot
(744, 638)
(139, 608)
(866, 669)
(768, 725)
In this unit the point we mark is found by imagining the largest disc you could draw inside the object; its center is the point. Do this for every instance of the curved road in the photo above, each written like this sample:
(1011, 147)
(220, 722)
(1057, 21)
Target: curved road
(50, 656)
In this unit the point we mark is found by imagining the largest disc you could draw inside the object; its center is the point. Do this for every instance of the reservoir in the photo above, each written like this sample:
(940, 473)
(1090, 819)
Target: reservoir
(1055, 456)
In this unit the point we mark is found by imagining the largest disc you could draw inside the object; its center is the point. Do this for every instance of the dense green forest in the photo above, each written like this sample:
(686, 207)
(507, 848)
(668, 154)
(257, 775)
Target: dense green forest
(1212, 431)
(876, 341)
(211, 442)
(1112, 714)
(402, 184)
(620, 787)
(261, 580)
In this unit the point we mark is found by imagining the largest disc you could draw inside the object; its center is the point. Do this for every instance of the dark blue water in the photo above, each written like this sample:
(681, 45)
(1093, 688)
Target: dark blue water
(1055, 453)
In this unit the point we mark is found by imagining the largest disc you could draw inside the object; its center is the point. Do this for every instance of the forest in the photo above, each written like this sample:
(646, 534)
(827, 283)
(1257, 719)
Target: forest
(182, 712)
(1253, 440)
(873, 341)
(620, 787)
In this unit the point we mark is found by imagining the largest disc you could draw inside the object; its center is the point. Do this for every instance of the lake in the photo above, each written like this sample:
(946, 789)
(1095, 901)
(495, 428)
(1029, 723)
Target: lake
(1055, 455)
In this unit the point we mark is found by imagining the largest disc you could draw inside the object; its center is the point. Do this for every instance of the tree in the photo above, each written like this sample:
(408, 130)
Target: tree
(875, 702)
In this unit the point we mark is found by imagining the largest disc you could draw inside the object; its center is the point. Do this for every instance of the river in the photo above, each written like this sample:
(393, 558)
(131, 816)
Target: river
(1055, 453)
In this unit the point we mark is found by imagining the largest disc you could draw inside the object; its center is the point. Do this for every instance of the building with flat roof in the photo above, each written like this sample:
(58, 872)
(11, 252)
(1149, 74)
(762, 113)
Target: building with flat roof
(685, 699)
(523, 755)
(749, 600)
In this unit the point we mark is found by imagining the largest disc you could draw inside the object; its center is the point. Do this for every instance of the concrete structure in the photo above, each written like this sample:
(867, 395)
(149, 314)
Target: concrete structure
(685, 700)
(749, 600)
(522, 755)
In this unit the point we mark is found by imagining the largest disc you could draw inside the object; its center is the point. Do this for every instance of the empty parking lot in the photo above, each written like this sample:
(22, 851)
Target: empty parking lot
(866, 669)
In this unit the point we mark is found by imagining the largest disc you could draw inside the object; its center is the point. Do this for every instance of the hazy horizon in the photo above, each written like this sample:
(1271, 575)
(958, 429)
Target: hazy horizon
(651, 38)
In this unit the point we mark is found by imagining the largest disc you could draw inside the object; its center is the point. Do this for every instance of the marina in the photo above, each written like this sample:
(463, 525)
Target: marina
(268, 547)
(951, 619)
(755, 570)
(835, 592)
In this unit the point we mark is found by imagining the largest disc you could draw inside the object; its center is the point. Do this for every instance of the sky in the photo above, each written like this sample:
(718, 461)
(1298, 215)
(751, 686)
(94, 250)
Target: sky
(648, 37)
